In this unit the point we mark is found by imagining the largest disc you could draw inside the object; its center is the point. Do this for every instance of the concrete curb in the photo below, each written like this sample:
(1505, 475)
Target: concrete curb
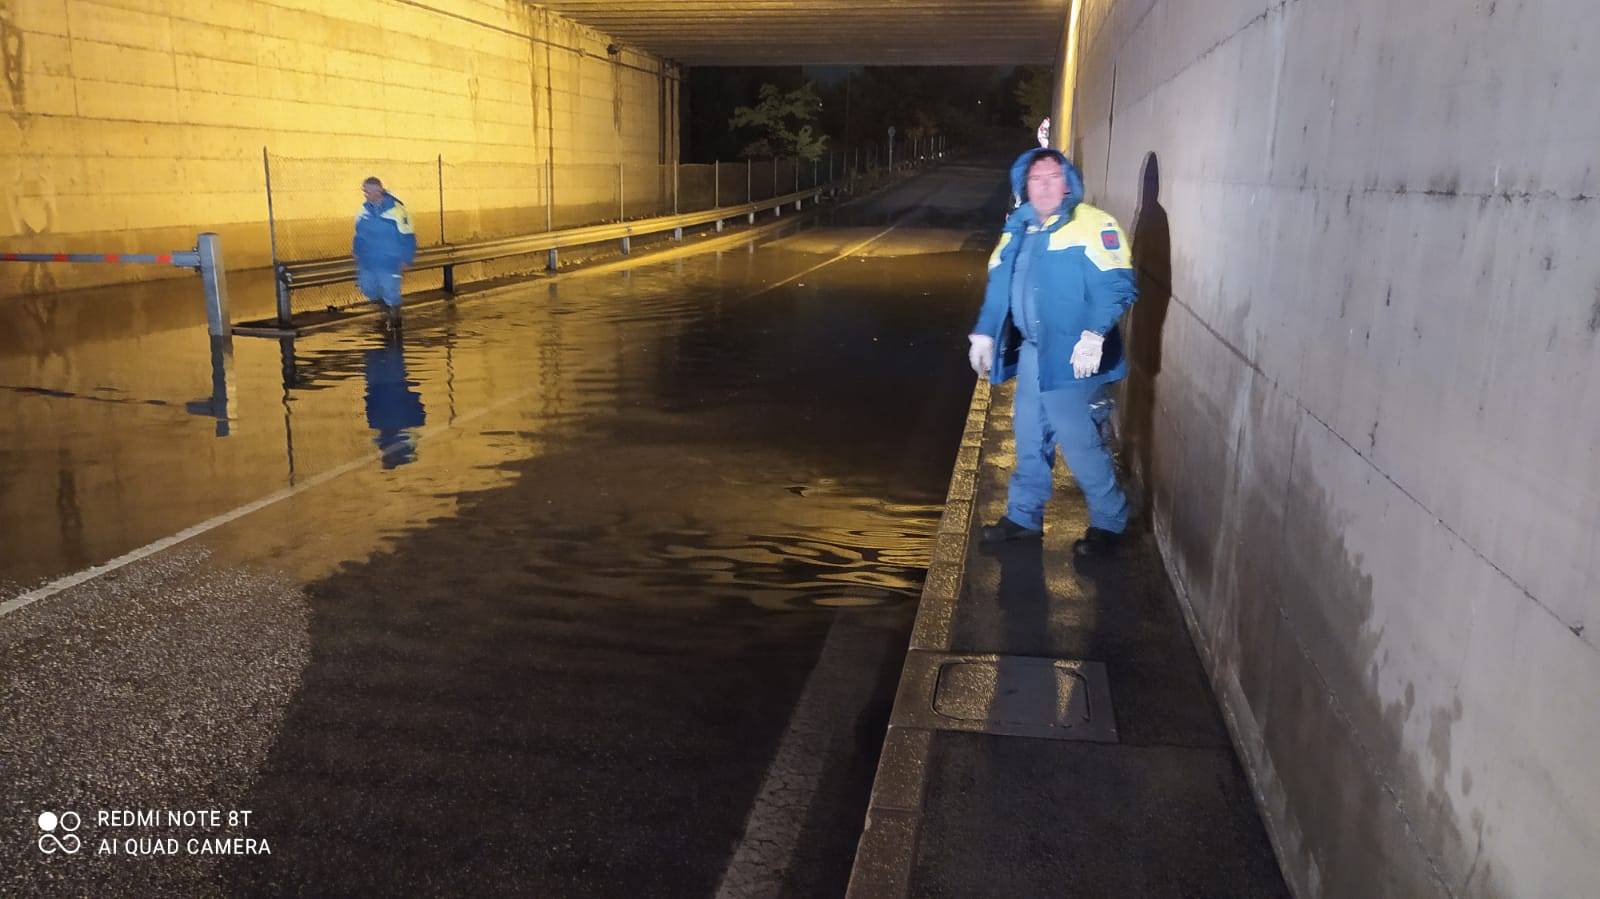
(888, 844)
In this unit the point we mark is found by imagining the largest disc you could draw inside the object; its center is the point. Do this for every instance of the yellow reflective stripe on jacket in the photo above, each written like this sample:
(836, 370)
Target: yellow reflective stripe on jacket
(1101, 238)
(994, 258)
(402, 221)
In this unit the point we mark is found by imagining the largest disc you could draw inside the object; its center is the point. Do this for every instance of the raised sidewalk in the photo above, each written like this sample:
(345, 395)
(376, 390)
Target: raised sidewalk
(1054, 733)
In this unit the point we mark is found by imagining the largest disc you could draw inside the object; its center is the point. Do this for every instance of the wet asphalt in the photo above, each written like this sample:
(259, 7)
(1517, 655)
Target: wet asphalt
(537, 591)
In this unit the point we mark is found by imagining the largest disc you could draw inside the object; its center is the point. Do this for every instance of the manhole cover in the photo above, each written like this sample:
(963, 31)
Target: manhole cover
(1058, 699)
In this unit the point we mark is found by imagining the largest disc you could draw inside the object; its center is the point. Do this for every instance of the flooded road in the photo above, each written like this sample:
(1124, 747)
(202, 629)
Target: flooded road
(597, 586)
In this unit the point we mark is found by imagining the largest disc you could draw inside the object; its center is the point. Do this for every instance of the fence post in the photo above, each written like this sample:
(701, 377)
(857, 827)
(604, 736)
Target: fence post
(281, 288)
(441, 200)
(622, 207)
(716, 184)
(677, 232)
(774, 176)
(549, 206)
(748, 181)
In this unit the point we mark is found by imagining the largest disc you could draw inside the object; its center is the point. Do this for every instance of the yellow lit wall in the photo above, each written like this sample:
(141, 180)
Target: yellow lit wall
(129, 125)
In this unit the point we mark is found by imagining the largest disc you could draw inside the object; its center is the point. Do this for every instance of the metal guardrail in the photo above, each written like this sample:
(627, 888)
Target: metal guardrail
(319, 272)
(206, 259)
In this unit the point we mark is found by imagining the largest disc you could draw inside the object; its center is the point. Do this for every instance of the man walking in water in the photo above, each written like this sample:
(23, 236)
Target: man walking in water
(384, 245)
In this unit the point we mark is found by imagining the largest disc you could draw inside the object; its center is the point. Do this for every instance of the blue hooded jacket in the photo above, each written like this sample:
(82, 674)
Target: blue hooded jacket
(384, 237)
(1081, 276)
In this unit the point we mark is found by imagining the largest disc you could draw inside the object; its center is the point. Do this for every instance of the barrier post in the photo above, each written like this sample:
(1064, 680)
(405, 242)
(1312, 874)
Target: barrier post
(215, 281)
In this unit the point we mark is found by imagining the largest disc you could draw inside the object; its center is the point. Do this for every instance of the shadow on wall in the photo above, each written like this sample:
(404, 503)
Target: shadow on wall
(1152, 263)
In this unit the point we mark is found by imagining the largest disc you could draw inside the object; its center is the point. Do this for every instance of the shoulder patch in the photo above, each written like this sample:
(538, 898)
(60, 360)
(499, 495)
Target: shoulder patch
(1109, 239)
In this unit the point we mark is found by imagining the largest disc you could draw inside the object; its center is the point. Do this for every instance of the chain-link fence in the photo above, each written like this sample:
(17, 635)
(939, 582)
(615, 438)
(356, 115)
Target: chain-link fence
(314, 201)
(697, 187)
(486, 200)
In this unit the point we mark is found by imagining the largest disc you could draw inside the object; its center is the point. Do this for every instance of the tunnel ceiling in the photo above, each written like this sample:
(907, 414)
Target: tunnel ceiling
(830, 32)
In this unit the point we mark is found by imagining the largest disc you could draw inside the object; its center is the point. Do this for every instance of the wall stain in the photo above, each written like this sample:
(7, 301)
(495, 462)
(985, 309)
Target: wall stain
(12, 50)
(1594, 313)
(1367, 811)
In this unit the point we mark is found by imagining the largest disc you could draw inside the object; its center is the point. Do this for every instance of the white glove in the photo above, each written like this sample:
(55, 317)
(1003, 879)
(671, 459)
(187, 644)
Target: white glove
(1086, 355)
(981, 355)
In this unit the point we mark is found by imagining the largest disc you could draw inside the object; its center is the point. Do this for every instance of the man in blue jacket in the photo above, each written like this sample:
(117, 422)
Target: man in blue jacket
(1059, 280)
(384, 245)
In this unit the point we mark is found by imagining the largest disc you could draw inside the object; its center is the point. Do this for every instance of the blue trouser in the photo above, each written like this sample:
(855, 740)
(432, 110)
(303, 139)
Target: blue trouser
(1070, 417)
(379, 284)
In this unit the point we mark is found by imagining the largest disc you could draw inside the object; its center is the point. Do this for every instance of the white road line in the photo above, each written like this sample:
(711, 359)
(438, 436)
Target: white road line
(845, 254)
(837, 689)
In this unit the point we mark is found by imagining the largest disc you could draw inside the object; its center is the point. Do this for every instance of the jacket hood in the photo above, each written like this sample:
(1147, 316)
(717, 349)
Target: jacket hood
(1019, 178)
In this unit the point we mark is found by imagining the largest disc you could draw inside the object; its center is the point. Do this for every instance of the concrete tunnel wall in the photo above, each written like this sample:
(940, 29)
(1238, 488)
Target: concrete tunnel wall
(1365, 405)
(129, 125)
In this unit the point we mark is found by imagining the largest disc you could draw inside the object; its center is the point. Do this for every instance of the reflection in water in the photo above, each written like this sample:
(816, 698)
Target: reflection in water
(219, 404)
(394, 410)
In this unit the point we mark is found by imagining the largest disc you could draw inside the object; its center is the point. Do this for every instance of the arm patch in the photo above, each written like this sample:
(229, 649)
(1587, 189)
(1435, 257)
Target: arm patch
(1110, 250)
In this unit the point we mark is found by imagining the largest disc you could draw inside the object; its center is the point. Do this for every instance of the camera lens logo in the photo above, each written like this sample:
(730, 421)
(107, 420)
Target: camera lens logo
(67, 842)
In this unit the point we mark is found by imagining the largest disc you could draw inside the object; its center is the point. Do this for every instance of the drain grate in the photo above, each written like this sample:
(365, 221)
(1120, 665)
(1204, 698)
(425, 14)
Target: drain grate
(1023, 696)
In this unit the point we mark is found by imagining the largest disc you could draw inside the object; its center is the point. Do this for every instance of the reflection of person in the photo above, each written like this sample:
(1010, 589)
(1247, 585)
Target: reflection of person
(384, 244)
(1059, 280)
(393, 408)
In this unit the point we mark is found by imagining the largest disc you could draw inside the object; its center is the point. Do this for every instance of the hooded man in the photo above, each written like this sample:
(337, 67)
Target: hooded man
(1059, 280)
(384, 244)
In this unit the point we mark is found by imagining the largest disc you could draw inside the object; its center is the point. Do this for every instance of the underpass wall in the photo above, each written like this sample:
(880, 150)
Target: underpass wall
(1367, 365)
(129, 125)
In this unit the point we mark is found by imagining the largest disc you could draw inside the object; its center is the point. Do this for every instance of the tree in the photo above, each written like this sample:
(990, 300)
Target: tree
(783, 121)
(1035, 94)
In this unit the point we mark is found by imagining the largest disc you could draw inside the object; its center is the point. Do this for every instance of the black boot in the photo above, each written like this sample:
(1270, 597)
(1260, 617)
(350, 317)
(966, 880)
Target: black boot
(1097, 542)
(1006, 530)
